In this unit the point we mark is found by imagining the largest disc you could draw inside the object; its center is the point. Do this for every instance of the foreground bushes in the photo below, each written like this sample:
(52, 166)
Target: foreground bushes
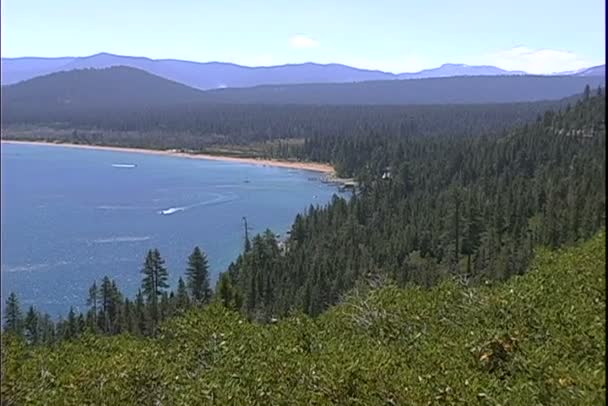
(536, 339)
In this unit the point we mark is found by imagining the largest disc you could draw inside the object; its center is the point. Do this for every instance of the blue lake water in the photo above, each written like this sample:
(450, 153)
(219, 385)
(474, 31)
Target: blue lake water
(71, 216)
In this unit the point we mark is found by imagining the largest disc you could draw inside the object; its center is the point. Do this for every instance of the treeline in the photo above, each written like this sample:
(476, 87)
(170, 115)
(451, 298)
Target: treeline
(472, 208)
(201, 126)
(111, 312)
(349, 154)
(440, 90)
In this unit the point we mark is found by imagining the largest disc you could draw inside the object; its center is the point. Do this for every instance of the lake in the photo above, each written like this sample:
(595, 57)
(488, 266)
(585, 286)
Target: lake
(71, 216)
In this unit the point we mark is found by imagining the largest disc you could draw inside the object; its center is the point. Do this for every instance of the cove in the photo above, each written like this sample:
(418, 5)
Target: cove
(71, 216)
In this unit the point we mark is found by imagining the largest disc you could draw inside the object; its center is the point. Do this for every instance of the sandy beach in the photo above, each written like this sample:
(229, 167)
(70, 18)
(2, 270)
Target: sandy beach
(309, 166)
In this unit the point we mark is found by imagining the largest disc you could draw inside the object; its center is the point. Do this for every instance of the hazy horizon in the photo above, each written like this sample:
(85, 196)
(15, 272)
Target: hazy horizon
(448, 63)
(548, 38)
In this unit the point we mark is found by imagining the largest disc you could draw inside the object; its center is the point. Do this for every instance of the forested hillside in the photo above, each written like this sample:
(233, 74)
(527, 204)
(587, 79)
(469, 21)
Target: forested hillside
(450, 90)
(430, 208)
(277, 131)
(536, 339)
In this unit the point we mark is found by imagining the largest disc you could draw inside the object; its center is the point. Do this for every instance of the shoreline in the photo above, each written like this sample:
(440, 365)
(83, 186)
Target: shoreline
(308, 166)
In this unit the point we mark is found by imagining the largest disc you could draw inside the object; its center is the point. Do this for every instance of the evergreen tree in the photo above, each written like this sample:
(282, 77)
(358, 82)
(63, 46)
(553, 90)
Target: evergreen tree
(140, 314)
(105, 299)
(224, 291)
(472, 233)
(71, 330)
(80, 324)
(116, 308)
(92, 302)
(13, 319)
(110, 304)
(454, 227)
(153, 284)
(155, 276)
(165, 307)
(247, 241)
(128, 318)
(197, 275)
(182, 300)
(32, 328)
(47, 329)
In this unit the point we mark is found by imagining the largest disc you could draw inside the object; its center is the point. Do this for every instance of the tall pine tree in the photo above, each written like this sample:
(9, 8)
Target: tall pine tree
(154, 283)
(13, 319)
(197, 275)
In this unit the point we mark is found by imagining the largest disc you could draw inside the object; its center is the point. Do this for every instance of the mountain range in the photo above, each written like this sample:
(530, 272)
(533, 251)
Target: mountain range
(120, 89)
(217, 75)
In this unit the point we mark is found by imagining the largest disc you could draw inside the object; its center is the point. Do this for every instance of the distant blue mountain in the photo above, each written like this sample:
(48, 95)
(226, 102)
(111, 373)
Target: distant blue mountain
(19, 69)
(452, 69)
(213, 75)
(208, 75)
(217, 75)
(599, 70)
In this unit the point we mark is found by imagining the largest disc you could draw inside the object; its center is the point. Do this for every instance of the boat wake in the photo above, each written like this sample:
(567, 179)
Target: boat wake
(124, 165)
(171, 210)
(34, 267)
(220, 198)
(120, 239)
(110, 207)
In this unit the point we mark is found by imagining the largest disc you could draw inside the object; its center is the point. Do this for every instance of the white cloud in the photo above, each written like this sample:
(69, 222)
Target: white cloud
(303, 41)
(537, 61)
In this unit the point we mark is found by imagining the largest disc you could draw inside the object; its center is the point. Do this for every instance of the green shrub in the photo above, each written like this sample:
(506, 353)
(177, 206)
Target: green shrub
(535, 339)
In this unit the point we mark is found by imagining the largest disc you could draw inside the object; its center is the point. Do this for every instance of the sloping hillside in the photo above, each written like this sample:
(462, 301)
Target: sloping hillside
(102, 89)
(451, 90)
(536, 339)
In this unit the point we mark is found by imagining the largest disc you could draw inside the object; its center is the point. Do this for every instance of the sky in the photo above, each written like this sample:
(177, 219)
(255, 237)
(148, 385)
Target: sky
(536, 36)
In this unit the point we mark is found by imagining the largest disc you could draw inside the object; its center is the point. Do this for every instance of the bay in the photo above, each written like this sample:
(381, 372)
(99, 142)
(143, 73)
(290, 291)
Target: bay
(71, 216)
